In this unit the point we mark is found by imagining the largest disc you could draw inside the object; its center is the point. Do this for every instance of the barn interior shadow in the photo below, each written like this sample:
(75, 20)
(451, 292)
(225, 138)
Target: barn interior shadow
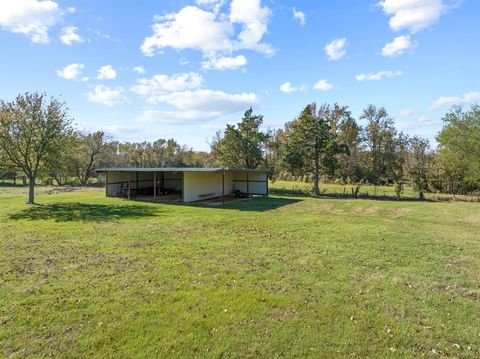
(87, 212)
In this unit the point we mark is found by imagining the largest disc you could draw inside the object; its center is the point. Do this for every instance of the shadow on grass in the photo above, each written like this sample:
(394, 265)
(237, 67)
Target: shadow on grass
(12, 185)
(257, 204)
(299, 193)
(75, 211)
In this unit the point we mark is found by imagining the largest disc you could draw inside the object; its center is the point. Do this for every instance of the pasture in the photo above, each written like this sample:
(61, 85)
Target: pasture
(82, 275)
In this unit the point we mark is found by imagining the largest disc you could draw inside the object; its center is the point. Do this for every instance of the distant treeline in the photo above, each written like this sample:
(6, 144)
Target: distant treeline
(324, 143)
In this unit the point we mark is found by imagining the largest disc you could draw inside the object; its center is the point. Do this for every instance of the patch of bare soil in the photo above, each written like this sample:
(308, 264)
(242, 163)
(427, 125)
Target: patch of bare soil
(365, 210)
(400, 212)
(67, 189)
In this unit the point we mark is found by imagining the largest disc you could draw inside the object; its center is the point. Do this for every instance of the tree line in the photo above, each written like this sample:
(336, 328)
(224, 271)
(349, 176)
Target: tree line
(326, 143)
(38, 142)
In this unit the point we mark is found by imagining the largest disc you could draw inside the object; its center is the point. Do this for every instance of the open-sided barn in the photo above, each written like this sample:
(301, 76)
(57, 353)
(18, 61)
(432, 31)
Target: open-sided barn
(185, 183)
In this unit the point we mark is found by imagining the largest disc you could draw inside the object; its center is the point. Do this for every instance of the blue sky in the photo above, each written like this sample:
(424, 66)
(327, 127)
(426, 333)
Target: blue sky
(154, 69)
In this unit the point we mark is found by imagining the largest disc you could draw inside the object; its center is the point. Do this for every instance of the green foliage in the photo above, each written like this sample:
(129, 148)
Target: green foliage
(241, 145)
(419, 164)
(33, 135)
(309, 143)
(459, 147)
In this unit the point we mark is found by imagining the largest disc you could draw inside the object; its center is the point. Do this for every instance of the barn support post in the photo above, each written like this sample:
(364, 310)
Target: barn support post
(154, 185)
(223, 187)
(129, 187)
(136, 186)
(163, 182)
(106, 184)
(266, 179)
(248, 187)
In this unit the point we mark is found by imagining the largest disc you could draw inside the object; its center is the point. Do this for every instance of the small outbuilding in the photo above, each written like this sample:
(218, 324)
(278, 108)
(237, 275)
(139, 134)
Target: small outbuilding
(184, 184)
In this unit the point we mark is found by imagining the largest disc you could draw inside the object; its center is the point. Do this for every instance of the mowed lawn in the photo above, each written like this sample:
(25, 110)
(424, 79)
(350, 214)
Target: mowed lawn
(82, 275)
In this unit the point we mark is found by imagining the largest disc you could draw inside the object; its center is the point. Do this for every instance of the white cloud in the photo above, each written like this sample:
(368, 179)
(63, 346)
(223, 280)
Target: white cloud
(407, 112)
(425, 120)
(71, 10)
(71, 72)
(323, 85)
(225, 63)
(69, 35)
(211, 32)
(378, 75)
(413, 15)
(208, 100)
(254, 20)
(183, 61)
(159, 84)
(335, 50)
(299, 16)
(444, 102)
(107, 96)
(173, 117)
(208, 2)
(287, 87)
(214, 5)
(398, 46)
(30, 17)
(106, 72)
(139, 70)
(192, 28)
(198, 105)
(107, 36)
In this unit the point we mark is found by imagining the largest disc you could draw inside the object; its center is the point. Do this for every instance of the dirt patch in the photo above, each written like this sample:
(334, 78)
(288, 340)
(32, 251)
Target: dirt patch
(400, 212)
(67, 189)
(475, 219)
(365, 210)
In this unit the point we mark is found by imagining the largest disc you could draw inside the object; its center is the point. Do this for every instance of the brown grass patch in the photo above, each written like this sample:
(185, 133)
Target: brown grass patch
(365, 210)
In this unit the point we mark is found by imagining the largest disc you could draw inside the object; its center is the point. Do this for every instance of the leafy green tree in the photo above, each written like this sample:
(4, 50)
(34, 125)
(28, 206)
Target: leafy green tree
(459, 147)
(90, 153)
(378, 135)
(350, 135)
(273, 152)
(307, 139)
(33, 134)
(418, 165)
(241, 145)
(335, 116)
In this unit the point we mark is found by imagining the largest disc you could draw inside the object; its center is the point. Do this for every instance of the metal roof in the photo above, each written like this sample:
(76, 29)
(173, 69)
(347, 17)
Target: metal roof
(176, 169)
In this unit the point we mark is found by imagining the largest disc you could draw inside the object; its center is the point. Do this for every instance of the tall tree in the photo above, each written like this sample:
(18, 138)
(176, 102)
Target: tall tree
(418, 163)
(378, 131)
(459, 147)
(349, 134)
(307, 139)
(335, 116)
(241, 145)
(32, 134)
(273, 152)
(90, 153)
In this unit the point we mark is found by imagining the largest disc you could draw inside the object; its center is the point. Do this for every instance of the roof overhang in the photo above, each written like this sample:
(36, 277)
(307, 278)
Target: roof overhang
(178, 169)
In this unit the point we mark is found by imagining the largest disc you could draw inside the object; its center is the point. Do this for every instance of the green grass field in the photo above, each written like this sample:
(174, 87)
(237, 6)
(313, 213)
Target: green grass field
(82, 275)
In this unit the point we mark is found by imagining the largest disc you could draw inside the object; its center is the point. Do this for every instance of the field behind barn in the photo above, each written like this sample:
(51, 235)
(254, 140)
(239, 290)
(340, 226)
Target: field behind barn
(82, 275)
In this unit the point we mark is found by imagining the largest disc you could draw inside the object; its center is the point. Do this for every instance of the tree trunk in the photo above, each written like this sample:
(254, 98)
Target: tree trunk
(316, 188)
(31, 191)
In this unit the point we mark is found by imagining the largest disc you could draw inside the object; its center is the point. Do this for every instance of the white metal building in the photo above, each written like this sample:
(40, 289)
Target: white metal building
(185, 183)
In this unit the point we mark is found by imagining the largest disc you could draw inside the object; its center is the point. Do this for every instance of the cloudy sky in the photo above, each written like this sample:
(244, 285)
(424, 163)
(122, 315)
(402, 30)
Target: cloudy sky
(148, 69)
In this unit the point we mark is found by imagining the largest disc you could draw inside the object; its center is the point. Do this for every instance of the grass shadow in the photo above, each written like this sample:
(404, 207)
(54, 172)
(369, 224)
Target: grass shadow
(86, 212)
(12, 185)
(391, 198)
(257, 204)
